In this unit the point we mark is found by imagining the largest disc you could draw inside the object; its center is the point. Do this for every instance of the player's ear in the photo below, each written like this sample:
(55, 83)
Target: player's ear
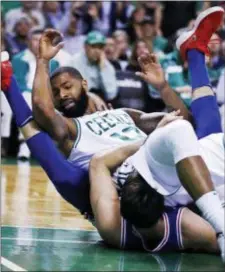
(84, 85)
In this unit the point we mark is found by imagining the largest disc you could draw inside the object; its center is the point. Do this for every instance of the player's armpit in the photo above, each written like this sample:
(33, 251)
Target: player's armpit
(197, 234)
(147, 122)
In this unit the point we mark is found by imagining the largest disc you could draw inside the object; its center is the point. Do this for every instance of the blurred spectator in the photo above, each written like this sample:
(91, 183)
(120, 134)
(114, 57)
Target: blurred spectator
(28, 8)
(93, 17)
(107, 16)
(73, 41)
(215, 62)
(19, 41)
(52, 13)
(120, 14)
(154, 11)
(134, 25)
(95, 68)
(132, 92)
(176, 14)
(24, 65)
(122, 47)
(111, 53)
(140, 47)
(149, 32)
(5, 40)
(175, 75)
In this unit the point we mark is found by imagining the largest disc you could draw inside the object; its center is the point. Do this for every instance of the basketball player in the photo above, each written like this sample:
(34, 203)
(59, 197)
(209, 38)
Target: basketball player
(70, 181)
(172, 156)
(173, 231)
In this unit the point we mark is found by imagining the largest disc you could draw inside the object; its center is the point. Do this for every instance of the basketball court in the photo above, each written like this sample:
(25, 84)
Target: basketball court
(41, 232)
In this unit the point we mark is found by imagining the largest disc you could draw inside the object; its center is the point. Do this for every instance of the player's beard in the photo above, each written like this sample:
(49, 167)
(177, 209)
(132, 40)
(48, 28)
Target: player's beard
(79, 108)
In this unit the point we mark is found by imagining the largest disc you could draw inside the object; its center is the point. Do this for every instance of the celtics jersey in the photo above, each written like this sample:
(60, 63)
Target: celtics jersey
(100, 131)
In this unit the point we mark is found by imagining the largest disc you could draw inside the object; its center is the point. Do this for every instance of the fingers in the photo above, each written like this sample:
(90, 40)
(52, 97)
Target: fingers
(154, 59)
(110, 107)
(53, 35)
(60, 45)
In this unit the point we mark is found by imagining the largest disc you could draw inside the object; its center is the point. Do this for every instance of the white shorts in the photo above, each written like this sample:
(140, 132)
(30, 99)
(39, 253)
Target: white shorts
(156, 159)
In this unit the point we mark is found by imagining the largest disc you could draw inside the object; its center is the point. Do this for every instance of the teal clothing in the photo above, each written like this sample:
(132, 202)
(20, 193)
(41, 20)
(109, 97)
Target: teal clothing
(24, 66)
(159, 43)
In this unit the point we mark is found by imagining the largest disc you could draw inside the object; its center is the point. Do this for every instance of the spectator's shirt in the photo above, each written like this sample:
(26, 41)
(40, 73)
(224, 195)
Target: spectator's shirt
(73, 44)
(159, 43)
(98, 79)
(24, 66)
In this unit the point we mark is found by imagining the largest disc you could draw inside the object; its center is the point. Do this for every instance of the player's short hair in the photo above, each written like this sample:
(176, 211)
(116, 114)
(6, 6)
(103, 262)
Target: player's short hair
(66, 69)
(140, 204)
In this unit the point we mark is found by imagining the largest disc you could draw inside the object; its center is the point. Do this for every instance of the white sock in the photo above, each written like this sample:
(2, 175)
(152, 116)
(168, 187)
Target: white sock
(211, 207)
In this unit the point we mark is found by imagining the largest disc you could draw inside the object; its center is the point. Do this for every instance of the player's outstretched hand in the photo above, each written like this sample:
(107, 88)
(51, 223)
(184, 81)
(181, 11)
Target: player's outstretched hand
(152, 71)
(50, 44)
(170, 117)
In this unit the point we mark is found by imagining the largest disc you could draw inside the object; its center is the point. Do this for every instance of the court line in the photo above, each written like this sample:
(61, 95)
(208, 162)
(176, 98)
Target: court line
(55, 228)
(12, 266)
(50, 241)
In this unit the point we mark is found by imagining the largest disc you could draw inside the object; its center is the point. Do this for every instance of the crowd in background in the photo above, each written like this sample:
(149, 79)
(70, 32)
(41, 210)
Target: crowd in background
(116, 31)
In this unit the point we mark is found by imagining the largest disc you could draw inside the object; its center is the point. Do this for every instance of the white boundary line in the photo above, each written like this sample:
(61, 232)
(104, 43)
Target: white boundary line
(12, 266)
(55, 228)
(50, 241)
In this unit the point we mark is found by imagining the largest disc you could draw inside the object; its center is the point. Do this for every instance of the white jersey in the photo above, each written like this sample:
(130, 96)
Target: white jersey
(165, 176)
(100, 131)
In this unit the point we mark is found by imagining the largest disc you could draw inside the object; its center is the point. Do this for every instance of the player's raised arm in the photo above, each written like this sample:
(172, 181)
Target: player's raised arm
(104, 198)
(42, 99)
(153, 74)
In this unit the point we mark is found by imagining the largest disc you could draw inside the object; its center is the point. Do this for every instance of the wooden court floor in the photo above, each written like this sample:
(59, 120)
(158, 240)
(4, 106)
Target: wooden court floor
(41, 232)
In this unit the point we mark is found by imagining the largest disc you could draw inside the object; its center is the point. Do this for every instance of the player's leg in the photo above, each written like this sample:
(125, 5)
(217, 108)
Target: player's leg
(193, 47)
(70, 181)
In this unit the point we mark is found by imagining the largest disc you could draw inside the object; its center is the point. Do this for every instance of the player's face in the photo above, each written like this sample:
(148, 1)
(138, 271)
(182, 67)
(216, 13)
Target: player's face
(69, 95)
(94, 52)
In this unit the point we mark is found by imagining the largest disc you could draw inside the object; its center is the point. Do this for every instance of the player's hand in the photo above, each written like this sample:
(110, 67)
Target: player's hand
(170, 117)
(50, 44)
(152, 71)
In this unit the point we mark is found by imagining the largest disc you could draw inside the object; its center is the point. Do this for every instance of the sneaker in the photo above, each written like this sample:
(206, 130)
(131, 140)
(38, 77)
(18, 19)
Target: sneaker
(205, 25)
(24, 152)
(221, 242)
(6, 71)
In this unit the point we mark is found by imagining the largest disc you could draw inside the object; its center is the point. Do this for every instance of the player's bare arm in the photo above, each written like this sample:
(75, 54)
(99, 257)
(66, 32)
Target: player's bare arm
(104, 198)
(153, 74)
(197, 234)
(60, 129)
